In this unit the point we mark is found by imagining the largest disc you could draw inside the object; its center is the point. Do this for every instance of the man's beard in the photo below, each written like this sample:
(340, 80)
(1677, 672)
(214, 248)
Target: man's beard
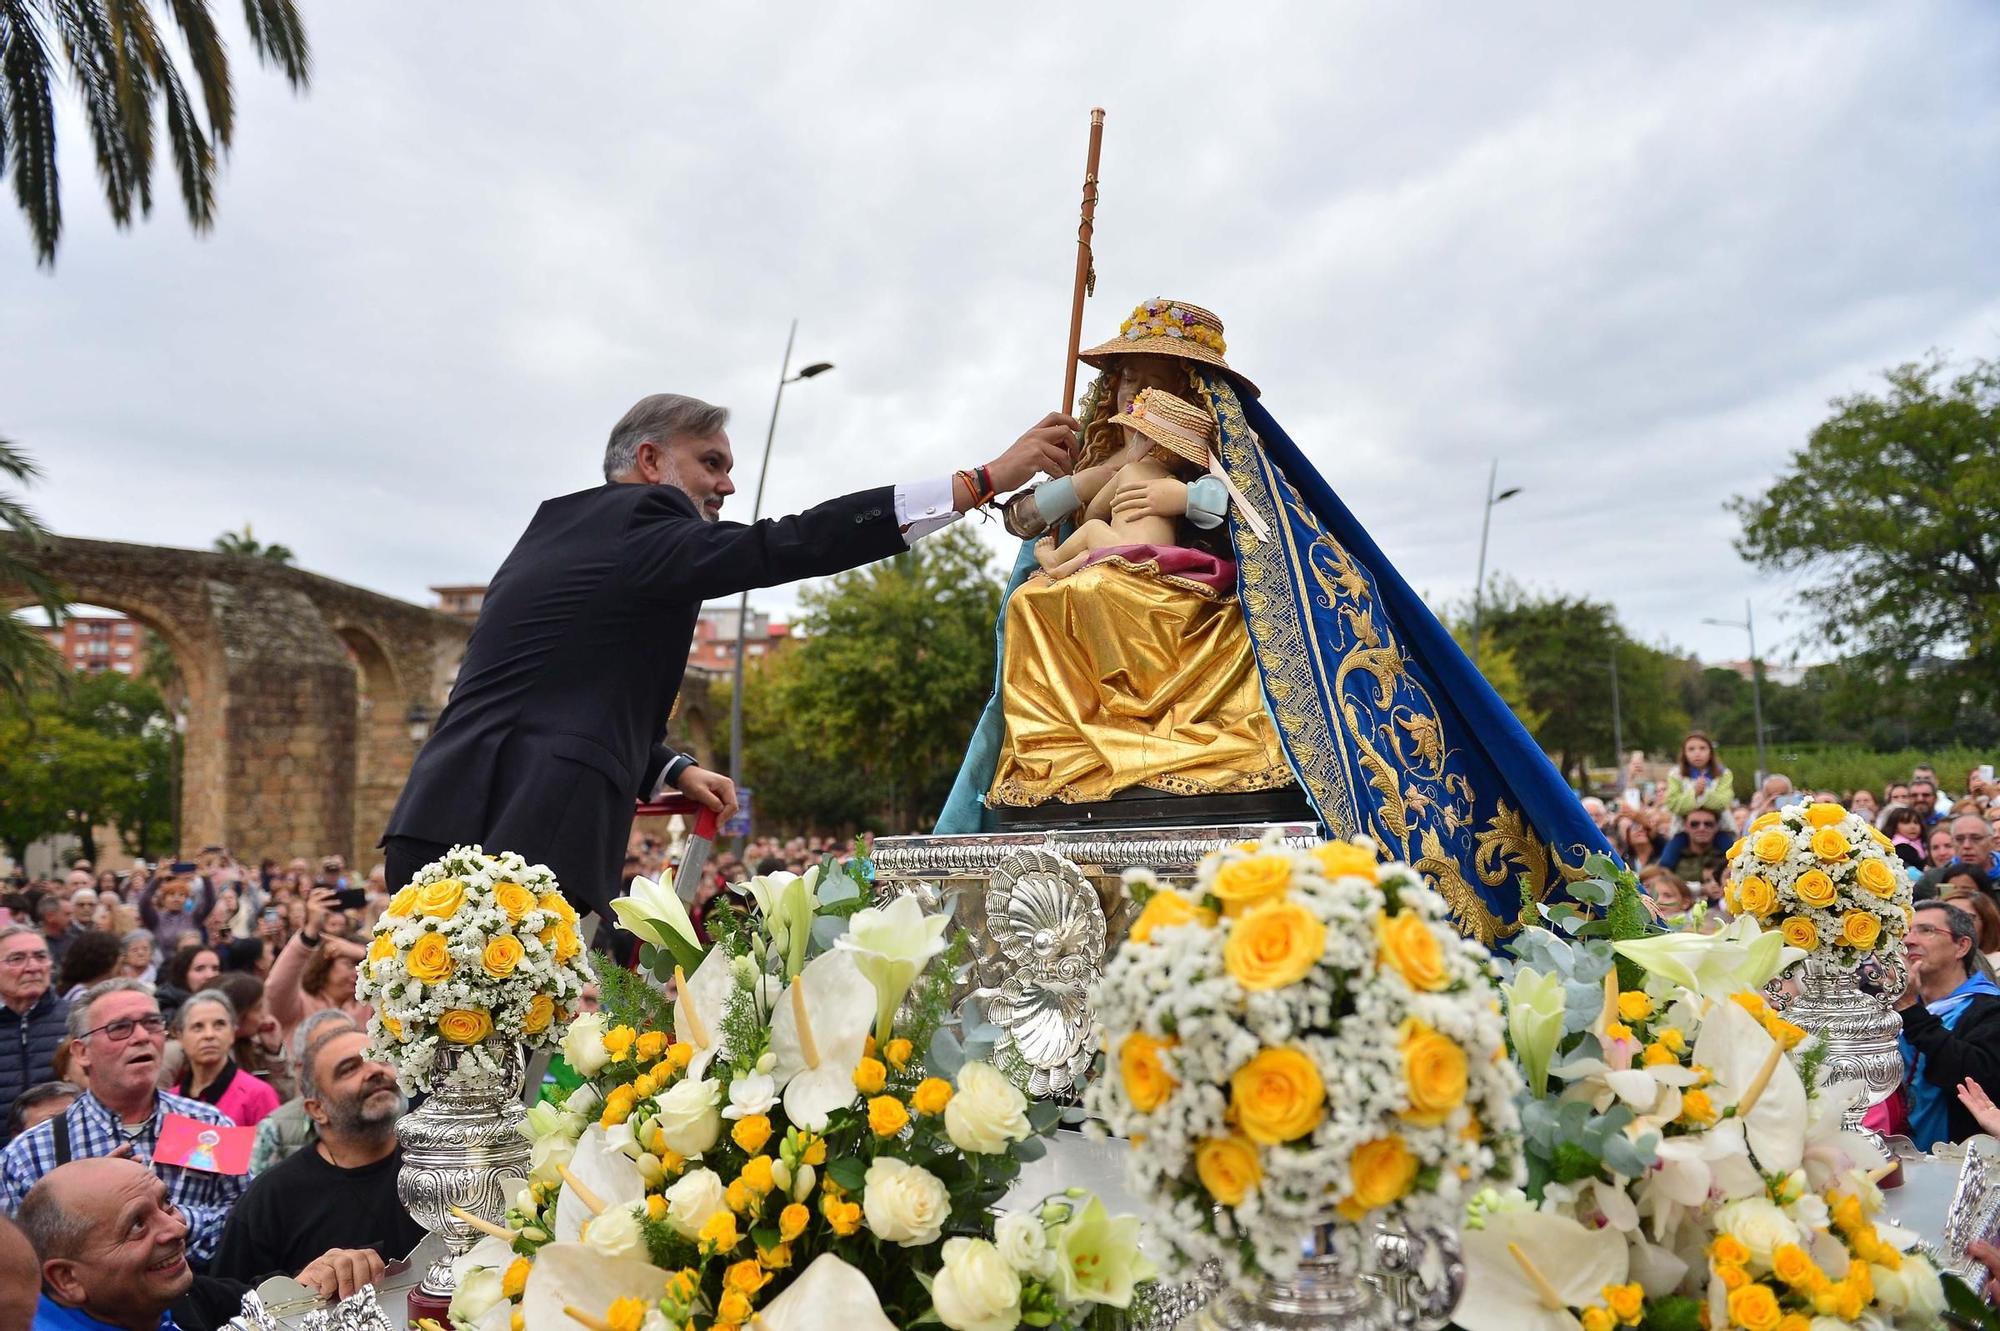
(670, 475)
(355, 1117)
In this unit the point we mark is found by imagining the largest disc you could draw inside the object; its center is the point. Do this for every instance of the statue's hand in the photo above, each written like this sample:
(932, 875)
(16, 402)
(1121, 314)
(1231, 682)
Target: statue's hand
(1164, 498)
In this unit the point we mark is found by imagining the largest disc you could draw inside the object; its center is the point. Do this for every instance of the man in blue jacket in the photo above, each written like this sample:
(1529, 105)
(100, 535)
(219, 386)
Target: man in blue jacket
(32, 1017)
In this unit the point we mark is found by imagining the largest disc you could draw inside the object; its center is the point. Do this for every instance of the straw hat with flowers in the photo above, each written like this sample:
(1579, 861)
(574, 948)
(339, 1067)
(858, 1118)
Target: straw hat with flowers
(1176, 425)
(1163, 327)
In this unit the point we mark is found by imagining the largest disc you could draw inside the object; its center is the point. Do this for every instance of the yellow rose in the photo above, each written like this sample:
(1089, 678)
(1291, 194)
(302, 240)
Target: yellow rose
(1825, 815)
(751, 1132)
(1383, 1171)
(1829, 843)
(1860, 929)
(1273, 944)
(1792, 1264)
(1167, 909)
(1344, 859)
(429, 959)
(502, 955)
(1278, 1096)
(391, 1025)
(561, 940)
(555, 903)
(404, 902)
(1754, 1307)
(465, 1025)
(1228, 1168)
(1815, 888)
(1434, 1066)
(1876, 877)
(541, 1011)
(1800, 932)
(1405, 944)
(514, 899)
(1772, 847)
(1764, 820)
(1757, 896)
(870, 1076)
(1143, 1072)
(441, 899)
(1881, 838)
(1627, 1301)
(887, 1116)
(381, 947)
(1241, 884)
(1736, 848)
(931, 1096)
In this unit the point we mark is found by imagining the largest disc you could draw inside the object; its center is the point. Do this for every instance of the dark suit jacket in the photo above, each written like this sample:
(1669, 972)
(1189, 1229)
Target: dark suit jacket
(554, 726)
(1972, 1050)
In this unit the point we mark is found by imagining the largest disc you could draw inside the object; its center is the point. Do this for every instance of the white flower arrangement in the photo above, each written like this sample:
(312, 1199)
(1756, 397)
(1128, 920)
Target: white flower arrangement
(1302, 1034)
(1825, 879)
(476, 946)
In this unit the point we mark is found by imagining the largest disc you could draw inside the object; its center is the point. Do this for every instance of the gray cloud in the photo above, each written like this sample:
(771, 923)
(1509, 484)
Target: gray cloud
(1630, 254)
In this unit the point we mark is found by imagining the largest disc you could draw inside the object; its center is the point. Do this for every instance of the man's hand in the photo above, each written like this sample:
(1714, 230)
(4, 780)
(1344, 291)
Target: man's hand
(1044, 448)
(1164, 498)
(320, 903)
(341, 1272)
(711, 790)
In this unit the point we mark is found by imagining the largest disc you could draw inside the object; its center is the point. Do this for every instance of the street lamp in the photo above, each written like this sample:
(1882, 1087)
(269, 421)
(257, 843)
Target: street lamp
(418, 718)
(1749, 625)
(785, 376)
(1486, 526)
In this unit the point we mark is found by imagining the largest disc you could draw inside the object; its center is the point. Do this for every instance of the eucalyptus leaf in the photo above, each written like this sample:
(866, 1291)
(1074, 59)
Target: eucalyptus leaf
(1034, 1148)
(1044, 1114)
(945, 1056)
(835, 887)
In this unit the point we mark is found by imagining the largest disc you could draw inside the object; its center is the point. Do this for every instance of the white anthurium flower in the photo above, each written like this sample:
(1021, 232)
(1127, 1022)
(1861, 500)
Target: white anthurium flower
(827, 1293)
(754, 1093)
(572, 1275)
(1714, 965)
(1570, 1267)
(610, 1175)
(817, 1033)
(489, 1253)
(1658, 1269)
(1737, 1050)
(649, 909)
(891, 945)
(700, 1002)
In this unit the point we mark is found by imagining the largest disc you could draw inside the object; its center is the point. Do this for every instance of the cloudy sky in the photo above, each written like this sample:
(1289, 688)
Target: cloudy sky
(1630, 252)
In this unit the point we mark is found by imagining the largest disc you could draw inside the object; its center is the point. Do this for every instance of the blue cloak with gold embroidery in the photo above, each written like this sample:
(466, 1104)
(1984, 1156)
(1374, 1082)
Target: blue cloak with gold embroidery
(1390, 730)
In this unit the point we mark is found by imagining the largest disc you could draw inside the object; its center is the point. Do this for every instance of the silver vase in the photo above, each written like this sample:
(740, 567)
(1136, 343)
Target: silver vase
(459, 1149)
(1859, 1028)
(1333, 1287)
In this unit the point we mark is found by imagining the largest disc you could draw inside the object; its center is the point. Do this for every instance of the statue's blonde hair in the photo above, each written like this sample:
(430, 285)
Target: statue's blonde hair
(1101, 437)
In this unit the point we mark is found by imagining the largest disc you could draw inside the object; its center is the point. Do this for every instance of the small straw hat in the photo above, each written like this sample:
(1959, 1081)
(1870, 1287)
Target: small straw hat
(1176, 425)
(1163, 327)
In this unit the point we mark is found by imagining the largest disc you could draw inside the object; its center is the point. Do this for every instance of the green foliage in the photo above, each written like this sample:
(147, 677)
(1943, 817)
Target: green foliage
(1892, 510)
(864, 722)
(97, 753)
(1497, 664)
(1847, 767)
(1675, 1312)
(246, 544)
(120, 59)
(26, 660)
(628, 1000)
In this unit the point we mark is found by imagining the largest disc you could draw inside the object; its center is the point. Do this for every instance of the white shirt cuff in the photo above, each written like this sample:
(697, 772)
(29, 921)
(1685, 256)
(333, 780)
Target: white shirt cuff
(924, 507)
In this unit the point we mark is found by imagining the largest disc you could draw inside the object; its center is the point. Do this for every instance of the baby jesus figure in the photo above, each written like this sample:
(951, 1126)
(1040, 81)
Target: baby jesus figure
(1170, 437)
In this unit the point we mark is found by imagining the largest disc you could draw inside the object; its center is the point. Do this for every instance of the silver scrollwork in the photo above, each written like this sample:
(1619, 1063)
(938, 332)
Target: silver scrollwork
(1974, 1213)
(1859, 1028)
(1044, 920)
(460, 1150)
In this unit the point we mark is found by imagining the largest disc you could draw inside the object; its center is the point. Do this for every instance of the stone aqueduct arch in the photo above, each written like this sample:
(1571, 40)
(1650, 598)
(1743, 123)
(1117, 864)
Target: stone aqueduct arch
(299, 689)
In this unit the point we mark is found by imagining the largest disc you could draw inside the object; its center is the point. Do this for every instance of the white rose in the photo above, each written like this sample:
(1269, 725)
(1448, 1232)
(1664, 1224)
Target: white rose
(1024, 1241)
(988, 1112)
(583, 1044)
(977, 1290)
(546, 1160)
(904, 1203)
(1925, 1290)
(689, 1117)
(1759, 1225)
(478, 1291)
(695, 1196)
(616, 1232)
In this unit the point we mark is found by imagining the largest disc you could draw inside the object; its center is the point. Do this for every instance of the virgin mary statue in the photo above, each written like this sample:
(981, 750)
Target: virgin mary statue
(1269, 652)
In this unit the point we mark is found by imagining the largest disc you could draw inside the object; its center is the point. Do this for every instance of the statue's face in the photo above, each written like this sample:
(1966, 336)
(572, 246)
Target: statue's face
(1169, 374)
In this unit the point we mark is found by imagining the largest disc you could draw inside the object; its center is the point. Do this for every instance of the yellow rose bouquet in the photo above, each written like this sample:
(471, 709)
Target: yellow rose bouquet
(1298, 1036)
(1825, 879)
(475, 946)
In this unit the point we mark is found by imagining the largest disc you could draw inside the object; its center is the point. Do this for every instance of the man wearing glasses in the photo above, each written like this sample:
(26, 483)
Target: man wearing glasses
(1697, 849)
(117, 1029)
(32, 1016)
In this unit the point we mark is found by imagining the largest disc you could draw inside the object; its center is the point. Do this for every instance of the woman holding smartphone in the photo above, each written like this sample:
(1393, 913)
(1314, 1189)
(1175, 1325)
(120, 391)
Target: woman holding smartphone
(317, 969)
(1700, 781)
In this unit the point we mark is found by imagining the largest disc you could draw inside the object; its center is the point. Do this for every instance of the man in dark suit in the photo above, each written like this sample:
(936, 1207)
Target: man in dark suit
(554, 727)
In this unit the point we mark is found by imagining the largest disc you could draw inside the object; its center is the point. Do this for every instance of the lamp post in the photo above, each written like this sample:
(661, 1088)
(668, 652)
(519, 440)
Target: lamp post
(1486, 526)
(418, 719)
(1749, 625)
(785, 376)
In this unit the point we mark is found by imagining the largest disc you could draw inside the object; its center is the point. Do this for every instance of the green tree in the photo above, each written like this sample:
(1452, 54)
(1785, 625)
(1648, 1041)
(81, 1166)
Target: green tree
(1892, 509)
(26, 659)
(120, 59)
(98, 754)
(246, 544)
(864, 721)
(1497, 664)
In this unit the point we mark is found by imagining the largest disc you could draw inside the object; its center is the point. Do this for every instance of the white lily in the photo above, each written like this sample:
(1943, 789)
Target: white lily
(786, 903)
(1716, 965)
(1743, 1058)
(1525, 1270)
(700, 1002)
(572, 1275)
(606, 1172)
(817, 1034)
(827, 1293)
(891, 945)
(651, 909)
(1534, 1022)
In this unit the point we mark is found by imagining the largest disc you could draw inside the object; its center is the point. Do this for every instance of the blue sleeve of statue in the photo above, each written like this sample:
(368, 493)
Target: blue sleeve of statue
(1208, 502)
(1056, 499)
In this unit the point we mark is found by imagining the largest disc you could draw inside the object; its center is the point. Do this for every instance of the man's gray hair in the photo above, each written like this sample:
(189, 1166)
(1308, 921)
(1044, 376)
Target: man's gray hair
(15, 930)
(215, 996)
(659, 419)
(79, 1011)
(309, 1087)
(1962, 923)
(52, 1231)
(136, 936)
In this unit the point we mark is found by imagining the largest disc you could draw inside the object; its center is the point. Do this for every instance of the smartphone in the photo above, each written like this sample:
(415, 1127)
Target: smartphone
(1631, 798)
(270, 915)
(351, 898)
(183, 867)
(1986, 772)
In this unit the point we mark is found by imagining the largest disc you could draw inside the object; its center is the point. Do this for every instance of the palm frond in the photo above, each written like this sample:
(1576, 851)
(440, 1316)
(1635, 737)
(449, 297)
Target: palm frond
(279, 36)
(194, 155)
(17, 464)
(134, 50)
(28, 125)
(88, 45)
(27, 663)
(211, 65)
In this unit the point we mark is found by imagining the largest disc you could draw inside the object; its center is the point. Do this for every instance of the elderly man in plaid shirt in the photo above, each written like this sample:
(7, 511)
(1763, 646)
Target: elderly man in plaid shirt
(118, 1029)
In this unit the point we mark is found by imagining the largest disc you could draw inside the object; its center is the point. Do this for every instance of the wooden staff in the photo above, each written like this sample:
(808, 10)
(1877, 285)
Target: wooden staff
(1085, 278)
